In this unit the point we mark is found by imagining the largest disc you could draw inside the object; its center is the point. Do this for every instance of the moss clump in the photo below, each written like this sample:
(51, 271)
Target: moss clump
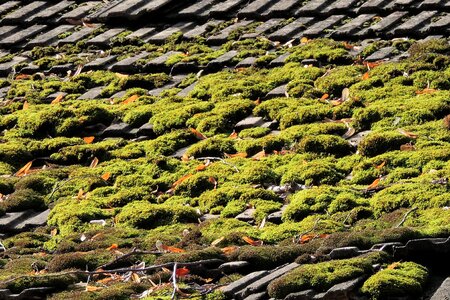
(214, 146)
(256, 132)
(195, 185)
(22, 200)
(77, 260)
(338, 79)
(258, 173)
(325, 144)
(322, 276)
(268, 257)
(397, 280)
(316, 172)
(324, 50)
(145, 215)
(378, 143)
(189, 256)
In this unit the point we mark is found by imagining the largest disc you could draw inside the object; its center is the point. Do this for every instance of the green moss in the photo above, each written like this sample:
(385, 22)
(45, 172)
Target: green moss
(325, 144)
(338, 79)
(77, 260)
(23, 199)
(214, 146)
(379, 142)
(256, 132)
(399, 279)
(322, 276)
(257, 173)
(145, 215)
(195, 255)
(316, 172)
(325, 50)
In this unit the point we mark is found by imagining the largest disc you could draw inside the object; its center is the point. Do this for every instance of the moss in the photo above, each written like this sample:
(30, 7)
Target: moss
(257, 173)
(377, 143)
(227, 228)
(145, 215)
(338, 79)
(58, 282)
(214, 146)
(324, 50)
(195, 185)
(322, 276)
(263, 208)
(195, 255)
(305, 114)
(256, 132)
(316, 172)
(399, 279)
(325, 144)
(22, 200)
(233, 208)
(77, 260)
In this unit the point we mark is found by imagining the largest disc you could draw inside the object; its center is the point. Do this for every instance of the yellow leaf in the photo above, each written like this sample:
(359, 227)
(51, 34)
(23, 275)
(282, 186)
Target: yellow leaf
(91, 288)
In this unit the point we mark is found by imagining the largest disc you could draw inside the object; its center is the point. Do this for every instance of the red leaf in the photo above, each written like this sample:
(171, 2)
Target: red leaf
(182, 272)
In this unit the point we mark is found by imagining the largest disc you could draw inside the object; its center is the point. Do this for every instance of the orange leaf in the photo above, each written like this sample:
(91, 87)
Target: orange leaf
(200, 167)
(182, 271)
(213, 181)
(91, 288)
(131, 99)
(393, 266)
(24, 170)
(304, 40)
(371, 65)
(172, 249)
(306, 238)
(348, 46)
(112, 247)
(217, 241)
(408, 134)
(407, 147)
(365, 76)
(259, 155)
(181, 180)
(88, 139)
(257, 102)
(374, 184)
(25, 105)
(324, 97)
(94, 163)
(251, 241)
(57, 99)
(233, 135)
(185, 157)
(380, 165)
(135, 278)
(229, 250)
(239, 154)
(106, 176)
(22, 76)
(426, 91)
(198, 134)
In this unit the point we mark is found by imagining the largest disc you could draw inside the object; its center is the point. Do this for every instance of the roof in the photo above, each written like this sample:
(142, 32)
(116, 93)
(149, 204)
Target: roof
(224, 149)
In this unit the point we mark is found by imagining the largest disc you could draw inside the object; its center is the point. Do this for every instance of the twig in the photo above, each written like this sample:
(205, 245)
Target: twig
(63, 182)
(134, 251)
(174, 277)
(122, 270)
(296, 241)
(221, 159)
(405, 216)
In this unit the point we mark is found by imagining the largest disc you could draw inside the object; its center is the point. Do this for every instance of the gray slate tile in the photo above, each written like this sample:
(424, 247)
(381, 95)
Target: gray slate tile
(22, 35)
(93, 93)
(49, 37)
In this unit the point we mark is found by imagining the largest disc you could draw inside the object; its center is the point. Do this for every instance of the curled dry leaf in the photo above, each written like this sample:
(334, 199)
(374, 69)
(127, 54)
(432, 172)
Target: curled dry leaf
(131, 99)
(24, 170)
(380, 166)
(25, 105)
(94, 163)
(88, 139)
(176, 183)
(259, 155)
(349, 133)
(374, 184)
(182, 272)
(239, 154)
(408, 133)
(233, 135)
(252, 242)
(22, 76)
(198, 134)
(257, 101)
(112, 247)
(57, 99)
(407, 147)
(229, 250)
(217, 241)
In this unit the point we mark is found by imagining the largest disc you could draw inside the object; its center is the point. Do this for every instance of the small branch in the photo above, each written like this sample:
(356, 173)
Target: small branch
(405, 216)
(121, 270)
(134, 251)
(174, 278)
(220, 159)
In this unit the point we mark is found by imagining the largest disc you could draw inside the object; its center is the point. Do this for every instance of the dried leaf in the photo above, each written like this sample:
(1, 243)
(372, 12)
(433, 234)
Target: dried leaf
(304, 40)
(408, 134)
(24, 170)
(393, 266)
(325, 96)
(88, 139)
(345, 96)
(130, 99)
(380, 165)
(257, 102)
(80, 194)
(176, 183)
(89, 25)
(348, 46)
(239, 154)
(374, 184)
(22, 76)
(371, 65)
(182, 272)
(54, 232)
(96, 236)
(172, 249)
(349, 133)
(233, 135)
(407, 147)
(57, 99)
(213, 181)
(198, 134)
(25, 105)
(229, 250)
(121, 76)
(135, 278)
(365, 76)
(200, 167)
(336, 102)
(185, 157)
(91, 288)
(251, 241)
(426, 91)
(217, 241)
(94, 163)
(259, 155)
(113, 247)
(106, 176)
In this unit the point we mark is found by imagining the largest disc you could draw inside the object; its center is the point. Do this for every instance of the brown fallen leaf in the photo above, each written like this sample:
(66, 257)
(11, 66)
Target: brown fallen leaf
(257, 101)
(349, 133)
(172, 249)
(304, 40)
(408, 133)
(106, 176)
(348, 46)
(88, 139)
(239, 154)
(180, 272)
(233, 135)
(57, 99)
(393, 265)
(259, 155)
(198, 134)
(380, 166)
(213, 181)
(91, 288)
(24, 170)
(374, 184)
(176, 183)
(94, 163)
(121, 76)
(200, 167)
(407, 147)
(365, 76)
(251, 241)
(80, 194)
(113, 247)
(185, 157)
(22, 76)
(425, 91)
(325, 96)
(229, 250)
(131, 99)
(25, 105)
(307, 237)
(54, 232)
